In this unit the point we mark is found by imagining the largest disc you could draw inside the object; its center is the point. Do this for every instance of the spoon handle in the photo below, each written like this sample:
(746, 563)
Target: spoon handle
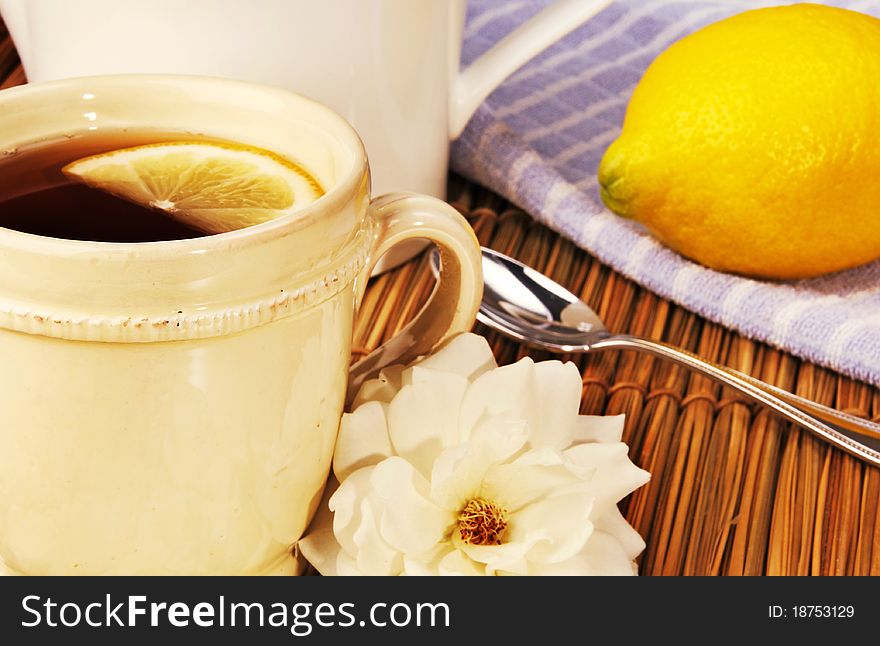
(849, 422)
(852, 434)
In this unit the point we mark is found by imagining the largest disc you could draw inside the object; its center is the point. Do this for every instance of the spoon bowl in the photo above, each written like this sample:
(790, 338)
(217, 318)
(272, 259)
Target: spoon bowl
(530, 307)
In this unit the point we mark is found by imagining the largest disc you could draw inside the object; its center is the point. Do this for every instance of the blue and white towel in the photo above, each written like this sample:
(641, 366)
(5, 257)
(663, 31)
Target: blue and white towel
(538, 140)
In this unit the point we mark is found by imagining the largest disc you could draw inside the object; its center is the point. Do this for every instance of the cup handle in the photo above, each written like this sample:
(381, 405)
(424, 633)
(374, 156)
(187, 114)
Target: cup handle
(509, 54)
(453, 305)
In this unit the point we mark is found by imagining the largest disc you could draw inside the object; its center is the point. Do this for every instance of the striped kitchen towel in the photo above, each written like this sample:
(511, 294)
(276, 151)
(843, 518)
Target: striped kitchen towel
(538, 140)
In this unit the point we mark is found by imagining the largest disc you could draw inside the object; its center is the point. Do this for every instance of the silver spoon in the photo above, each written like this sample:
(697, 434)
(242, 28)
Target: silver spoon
(526, 305)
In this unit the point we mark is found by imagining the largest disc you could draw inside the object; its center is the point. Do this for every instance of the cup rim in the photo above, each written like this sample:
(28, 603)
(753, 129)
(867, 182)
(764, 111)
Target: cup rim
(340, 193)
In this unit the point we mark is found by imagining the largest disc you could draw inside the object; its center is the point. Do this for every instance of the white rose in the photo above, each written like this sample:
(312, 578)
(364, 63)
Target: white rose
(456, 466)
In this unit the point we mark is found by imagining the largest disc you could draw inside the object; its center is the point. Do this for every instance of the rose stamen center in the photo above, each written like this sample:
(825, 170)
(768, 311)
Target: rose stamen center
(482, 522)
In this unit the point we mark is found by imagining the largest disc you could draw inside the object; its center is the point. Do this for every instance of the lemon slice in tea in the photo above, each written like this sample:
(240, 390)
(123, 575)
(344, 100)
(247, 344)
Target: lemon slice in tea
(213, 187)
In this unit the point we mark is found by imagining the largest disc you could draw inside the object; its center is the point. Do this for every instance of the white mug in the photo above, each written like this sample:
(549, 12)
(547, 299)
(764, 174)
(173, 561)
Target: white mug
(390, 67)
(171, 407)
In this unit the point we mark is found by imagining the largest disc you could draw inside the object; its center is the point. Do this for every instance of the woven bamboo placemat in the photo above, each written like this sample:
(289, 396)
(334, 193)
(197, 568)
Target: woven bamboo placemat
(734, 490)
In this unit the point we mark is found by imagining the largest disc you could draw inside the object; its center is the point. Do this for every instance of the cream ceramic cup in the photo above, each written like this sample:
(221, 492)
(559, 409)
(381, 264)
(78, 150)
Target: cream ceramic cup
(171, 407)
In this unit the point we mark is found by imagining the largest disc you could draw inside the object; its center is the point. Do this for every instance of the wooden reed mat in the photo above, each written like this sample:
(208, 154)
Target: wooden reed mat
(733, 490)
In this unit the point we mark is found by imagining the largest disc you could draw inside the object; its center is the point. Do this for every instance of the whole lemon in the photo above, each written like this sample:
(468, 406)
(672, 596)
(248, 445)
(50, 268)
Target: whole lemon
(753, 145)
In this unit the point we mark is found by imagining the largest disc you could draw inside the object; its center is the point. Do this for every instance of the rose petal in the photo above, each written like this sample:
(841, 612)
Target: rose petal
(362, 440)
(508, 391)
(382, 389)
(558, 389)
(355, 527)
(415, 567)
(429, 565)
(458, 473)
(374, 556)
(615, 475)
(455, 563)
(456, 476)
(542, 456)
(614, 524)
(500, 437)
(596, 428)
(423, 417)
(605, 556)
(410, 522)
(426, 563)
(507, 558)
(345, 503)
(446, 392)
(515, 485)
(467, 355)
(563, 522)
(347, 566)
(601, 556)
